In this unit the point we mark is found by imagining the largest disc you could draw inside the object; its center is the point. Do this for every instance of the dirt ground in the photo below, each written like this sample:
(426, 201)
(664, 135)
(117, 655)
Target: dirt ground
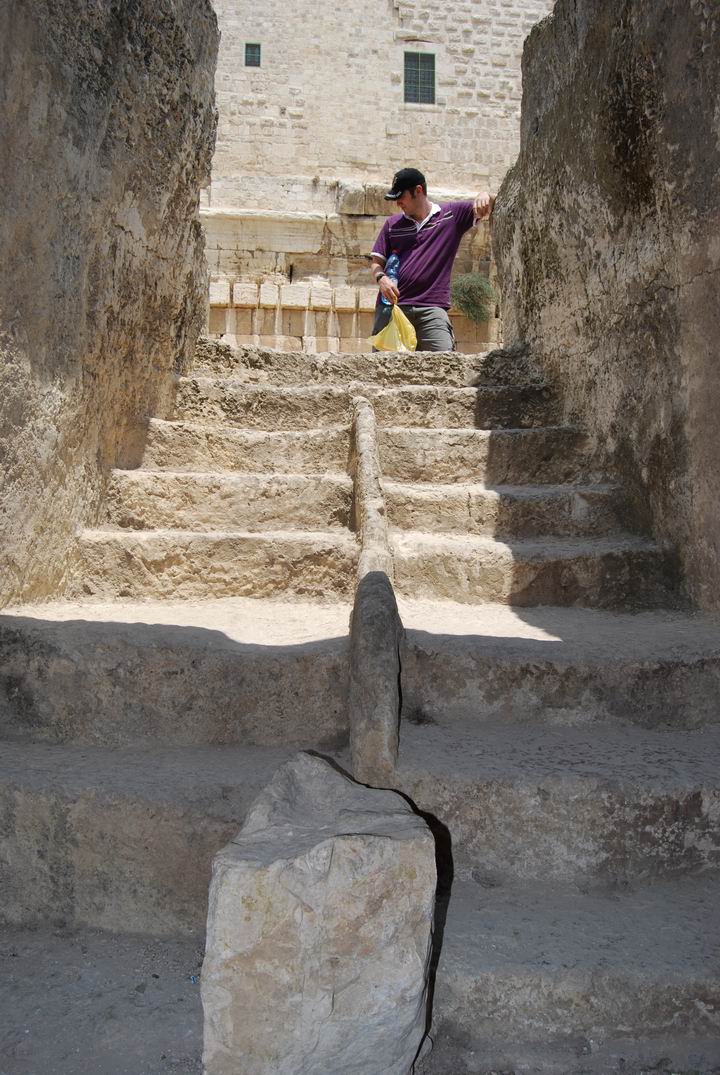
(91, 1003)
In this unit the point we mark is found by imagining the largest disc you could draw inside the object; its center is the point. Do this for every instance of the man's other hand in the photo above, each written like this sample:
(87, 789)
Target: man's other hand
(388, 289)
(484, 203)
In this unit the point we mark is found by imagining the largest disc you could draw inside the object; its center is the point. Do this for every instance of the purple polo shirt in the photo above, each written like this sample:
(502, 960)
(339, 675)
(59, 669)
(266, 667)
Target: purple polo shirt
(427, 255)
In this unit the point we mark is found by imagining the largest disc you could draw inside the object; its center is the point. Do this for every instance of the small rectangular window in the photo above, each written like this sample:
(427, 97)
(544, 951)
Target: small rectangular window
(420, 78)
(252, 55)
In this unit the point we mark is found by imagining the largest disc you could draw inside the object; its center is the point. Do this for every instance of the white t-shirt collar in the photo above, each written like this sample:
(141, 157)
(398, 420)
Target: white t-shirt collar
(434, 208)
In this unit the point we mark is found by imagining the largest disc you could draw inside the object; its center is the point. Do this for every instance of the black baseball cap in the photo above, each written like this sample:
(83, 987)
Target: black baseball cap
(405, 179)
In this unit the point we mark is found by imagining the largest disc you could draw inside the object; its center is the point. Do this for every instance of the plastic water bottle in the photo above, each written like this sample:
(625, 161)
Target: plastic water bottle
(392, 268)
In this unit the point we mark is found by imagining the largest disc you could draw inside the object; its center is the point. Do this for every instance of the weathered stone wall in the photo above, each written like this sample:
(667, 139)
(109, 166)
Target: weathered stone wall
(327, 103)
(607, 234)
(106, 134)
(260, 244)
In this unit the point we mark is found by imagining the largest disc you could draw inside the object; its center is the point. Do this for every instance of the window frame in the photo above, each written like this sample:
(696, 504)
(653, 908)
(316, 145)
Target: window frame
(253, 45)
(429, 57)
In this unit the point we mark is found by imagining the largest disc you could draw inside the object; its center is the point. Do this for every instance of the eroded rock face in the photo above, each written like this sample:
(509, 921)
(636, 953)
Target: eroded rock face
(107, 127)
(607, 234)
(319, 930)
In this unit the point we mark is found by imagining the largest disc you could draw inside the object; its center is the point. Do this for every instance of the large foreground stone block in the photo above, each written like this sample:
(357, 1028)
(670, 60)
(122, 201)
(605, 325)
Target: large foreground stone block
(319, 930)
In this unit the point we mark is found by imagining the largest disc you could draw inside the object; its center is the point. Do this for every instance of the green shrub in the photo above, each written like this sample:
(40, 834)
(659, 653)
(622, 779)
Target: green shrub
(473, 294)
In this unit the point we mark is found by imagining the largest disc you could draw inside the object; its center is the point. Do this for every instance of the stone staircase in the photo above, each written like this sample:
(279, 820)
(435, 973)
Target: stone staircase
(560, 708)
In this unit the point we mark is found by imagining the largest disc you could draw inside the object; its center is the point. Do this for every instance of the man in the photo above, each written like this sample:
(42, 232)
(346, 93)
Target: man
(426, 237)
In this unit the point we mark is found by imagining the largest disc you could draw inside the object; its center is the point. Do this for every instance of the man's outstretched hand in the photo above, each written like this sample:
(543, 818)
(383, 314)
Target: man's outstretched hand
(484, 205)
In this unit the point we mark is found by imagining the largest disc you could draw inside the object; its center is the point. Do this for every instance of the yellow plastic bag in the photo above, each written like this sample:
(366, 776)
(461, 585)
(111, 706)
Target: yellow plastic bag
(398, 334)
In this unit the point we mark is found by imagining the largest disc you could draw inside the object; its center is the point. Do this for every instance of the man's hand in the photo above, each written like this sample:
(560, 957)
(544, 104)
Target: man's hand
(484, 205)
(388, 289)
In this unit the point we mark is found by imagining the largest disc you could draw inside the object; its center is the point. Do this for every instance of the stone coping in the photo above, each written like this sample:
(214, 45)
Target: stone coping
(354, 199)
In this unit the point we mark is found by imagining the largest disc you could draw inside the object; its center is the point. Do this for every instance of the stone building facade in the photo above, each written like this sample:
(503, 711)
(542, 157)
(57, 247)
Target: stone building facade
(314, 120)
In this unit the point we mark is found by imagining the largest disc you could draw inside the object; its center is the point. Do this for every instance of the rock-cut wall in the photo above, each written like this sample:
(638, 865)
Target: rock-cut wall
(608, 242)
(107, 126)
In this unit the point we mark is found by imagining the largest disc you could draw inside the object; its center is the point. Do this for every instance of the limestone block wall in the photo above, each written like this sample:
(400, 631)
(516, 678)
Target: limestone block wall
(326, 105)
(608, 244)
(312, 316)
(299, 280)
(107, 126)
(255, 244)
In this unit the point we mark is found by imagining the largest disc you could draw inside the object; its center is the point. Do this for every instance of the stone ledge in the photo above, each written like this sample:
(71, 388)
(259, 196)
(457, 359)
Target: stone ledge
(321, 296)
(295, 296)
(269, 295)
(243, 294)
(285, 315)
(220, 292)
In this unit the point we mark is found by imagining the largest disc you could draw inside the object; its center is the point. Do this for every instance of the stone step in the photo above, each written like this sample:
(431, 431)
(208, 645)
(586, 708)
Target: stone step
(562, 665)
(263, 365)
(486, 407)
(216, 399)
(616, 572)
(197, 565)
(258, 365)
(233, 671)
(545, 978)
(554, 454)
(146, 499)
(503, 511)
(580, 803)
(189, 446)
(120, 839)
(664, 1054)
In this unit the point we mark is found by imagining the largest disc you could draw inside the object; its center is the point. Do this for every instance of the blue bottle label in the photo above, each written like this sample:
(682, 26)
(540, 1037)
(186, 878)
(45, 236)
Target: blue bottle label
(392, 270)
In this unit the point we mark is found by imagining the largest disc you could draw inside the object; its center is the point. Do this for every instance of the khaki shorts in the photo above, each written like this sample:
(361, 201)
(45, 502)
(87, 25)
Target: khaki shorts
(431, 323)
